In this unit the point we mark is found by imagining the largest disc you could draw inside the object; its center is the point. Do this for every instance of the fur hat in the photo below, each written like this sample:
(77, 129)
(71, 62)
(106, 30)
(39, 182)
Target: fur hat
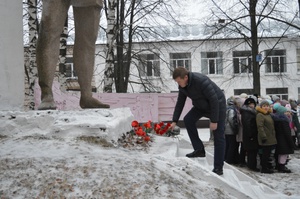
(280, 109)
(250, 100)
(264, 102)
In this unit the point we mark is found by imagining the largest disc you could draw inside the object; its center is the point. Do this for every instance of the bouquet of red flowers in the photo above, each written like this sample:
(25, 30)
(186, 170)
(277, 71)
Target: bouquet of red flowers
(139, 136)
(145, 129)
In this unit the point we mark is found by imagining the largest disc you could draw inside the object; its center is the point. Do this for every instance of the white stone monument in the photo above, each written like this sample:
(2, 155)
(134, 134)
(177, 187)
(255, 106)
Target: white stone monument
(11, 56)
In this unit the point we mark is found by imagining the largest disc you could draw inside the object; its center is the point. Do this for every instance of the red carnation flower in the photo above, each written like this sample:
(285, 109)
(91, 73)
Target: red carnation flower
(134, 123)
(147, 138)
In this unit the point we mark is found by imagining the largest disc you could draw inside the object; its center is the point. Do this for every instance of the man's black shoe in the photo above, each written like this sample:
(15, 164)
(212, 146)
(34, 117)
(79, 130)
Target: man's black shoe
(255, 169)
(196, 153)
(218, 171)
(267, 171)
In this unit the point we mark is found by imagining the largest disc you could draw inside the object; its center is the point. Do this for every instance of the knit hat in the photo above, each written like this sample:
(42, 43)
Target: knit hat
(250, 101)
(270, 101)
(266, 97)
(243, 95)
(276, 105)
(275, 98)
(284, 102)
(238, 101)
(280, 109)
(264, 102)
(293, 105)
(230, 101)
(253, 97)
(288, 108)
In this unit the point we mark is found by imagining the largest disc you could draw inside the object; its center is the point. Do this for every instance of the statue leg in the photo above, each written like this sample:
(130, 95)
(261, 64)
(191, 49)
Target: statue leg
(86, 32)
(53, 18)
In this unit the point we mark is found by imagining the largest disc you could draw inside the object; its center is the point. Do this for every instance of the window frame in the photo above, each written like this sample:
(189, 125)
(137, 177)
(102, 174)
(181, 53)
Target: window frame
(237, 59)
(211, 63)
(275, 61)
(298, 60)
(282, 93)
(185, 58)
(68, 70)
(149, 66)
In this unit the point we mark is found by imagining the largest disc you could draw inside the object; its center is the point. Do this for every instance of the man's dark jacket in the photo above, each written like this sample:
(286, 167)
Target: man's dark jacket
(205, 95)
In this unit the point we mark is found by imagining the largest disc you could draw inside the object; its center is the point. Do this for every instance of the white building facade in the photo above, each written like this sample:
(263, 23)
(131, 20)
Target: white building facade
(226, 61)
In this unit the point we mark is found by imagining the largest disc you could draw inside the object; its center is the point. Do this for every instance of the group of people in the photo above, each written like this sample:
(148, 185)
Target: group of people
(259, 133)
(264, 128)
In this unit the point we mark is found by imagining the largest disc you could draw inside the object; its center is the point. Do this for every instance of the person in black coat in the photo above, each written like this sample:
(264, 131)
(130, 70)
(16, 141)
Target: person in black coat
(208, 101)
(285, 144)
(296, 123)
(250, 141)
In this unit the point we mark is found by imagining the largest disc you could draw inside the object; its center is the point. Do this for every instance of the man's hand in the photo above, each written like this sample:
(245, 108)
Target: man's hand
(213, 126)
(172, 126)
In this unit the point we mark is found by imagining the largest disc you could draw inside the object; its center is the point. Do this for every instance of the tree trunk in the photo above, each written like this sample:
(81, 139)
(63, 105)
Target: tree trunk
(123, 60)
(62, 57)
(31, 68)
(254, 42)
(119, 64)
(128, 57)
(109, 64)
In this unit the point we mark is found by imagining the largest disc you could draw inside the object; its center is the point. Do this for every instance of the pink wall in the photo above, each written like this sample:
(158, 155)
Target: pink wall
(144, 106)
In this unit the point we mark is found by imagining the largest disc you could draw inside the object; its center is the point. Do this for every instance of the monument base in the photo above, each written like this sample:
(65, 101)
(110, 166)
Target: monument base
(108, 124)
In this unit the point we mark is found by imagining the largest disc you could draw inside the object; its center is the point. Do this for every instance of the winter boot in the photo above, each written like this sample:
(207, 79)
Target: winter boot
(283, 169)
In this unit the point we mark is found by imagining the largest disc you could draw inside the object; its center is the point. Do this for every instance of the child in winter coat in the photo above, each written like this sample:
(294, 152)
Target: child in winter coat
(293, 128)
(250, 141)
(231, 130)
(296, 123)
(285, 145)
(266, 134)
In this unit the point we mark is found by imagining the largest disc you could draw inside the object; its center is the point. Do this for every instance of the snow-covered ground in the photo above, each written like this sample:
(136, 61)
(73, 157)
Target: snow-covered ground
(69, 154)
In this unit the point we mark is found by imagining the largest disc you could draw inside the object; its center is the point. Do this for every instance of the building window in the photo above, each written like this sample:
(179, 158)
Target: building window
(180, 60)
(242, 62)
(70, 72)
(298, 61)
(275, 61)
(280, 92)
(149, 65)
(68, 69)
(211, 63)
